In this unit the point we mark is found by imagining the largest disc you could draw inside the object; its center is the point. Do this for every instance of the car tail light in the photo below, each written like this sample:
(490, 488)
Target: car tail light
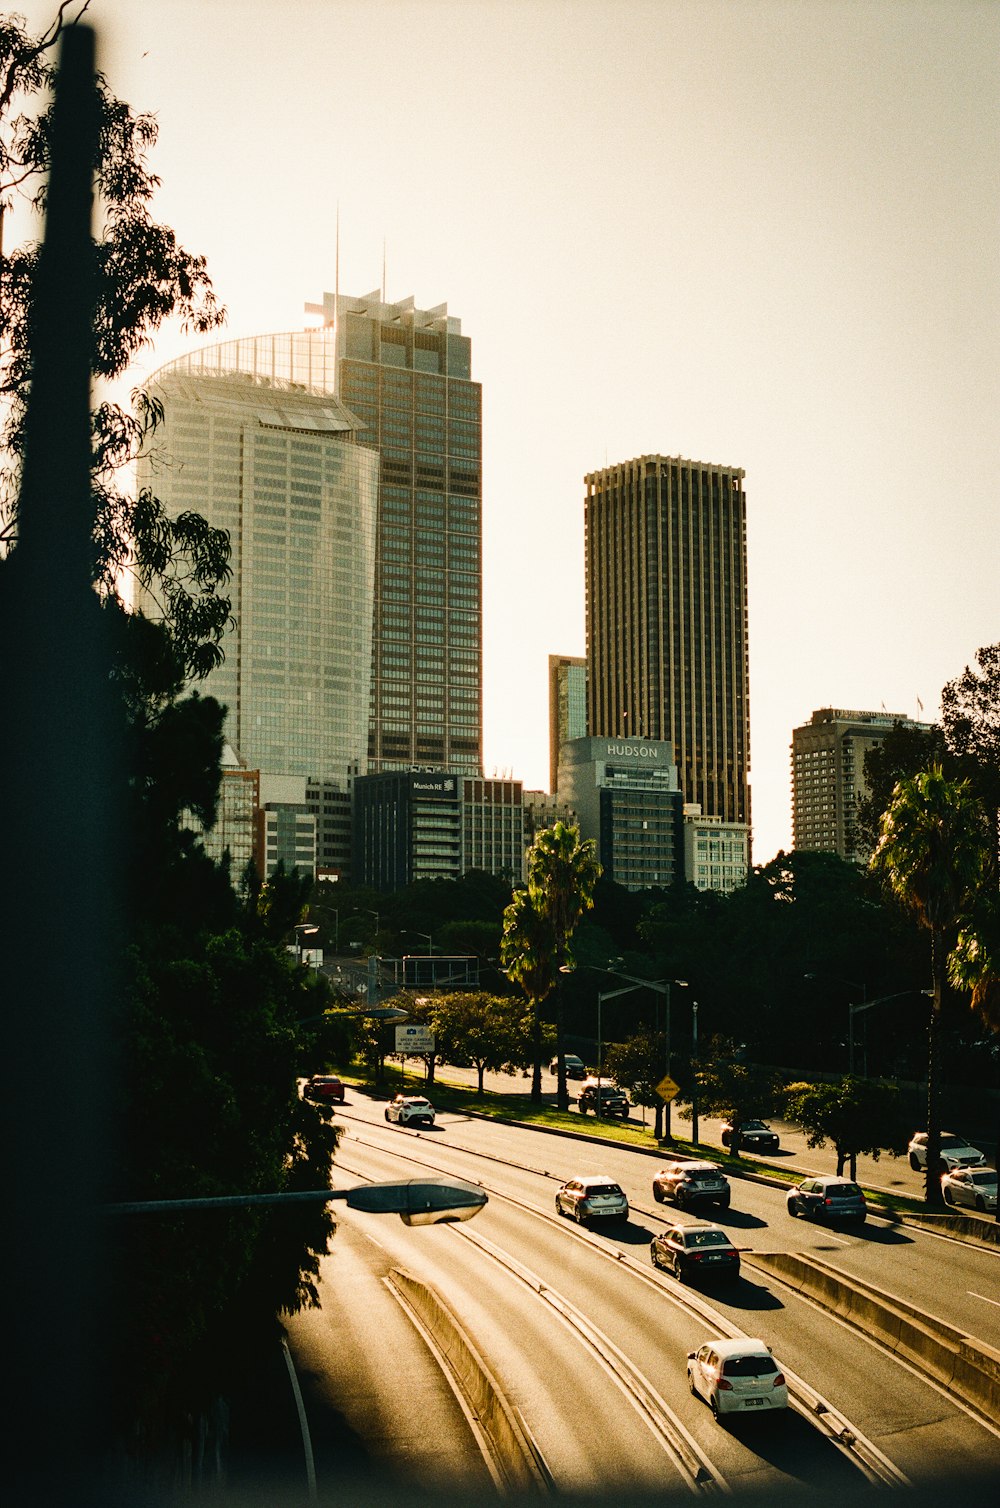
(827, 1201)
(724, 1386)
(779, 1381)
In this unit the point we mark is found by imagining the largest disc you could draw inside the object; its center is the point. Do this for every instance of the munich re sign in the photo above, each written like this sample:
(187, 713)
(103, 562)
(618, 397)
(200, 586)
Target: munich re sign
(634, 751)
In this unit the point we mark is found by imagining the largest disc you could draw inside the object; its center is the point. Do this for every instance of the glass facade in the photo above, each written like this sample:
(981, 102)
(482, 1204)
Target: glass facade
(406, 373)
(254, 440)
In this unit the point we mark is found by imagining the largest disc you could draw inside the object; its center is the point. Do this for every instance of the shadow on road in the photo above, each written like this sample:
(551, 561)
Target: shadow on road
(738, 1218)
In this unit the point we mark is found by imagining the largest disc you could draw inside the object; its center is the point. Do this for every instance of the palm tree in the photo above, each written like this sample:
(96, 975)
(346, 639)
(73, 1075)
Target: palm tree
(974, 965)
(562, 873)
(528, 953)
(932, 851)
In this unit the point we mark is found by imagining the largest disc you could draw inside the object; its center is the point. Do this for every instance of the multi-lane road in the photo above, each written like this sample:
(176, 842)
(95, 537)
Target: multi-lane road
(588, 1342)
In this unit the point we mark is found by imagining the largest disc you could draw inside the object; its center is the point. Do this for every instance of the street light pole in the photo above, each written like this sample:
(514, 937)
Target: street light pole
(681, 984)
(694, 1072)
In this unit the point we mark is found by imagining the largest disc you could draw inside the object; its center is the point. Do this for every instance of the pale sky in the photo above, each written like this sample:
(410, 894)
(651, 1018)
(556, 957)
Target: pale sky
(762, 234)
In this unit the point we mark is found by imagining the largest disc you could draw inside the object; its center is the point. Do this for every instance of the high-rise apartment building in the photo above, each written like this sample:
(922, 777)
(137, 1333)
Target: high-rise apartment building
(407, 374)
(254, 439)
(828, 777)
(567, 707)
(666, 611)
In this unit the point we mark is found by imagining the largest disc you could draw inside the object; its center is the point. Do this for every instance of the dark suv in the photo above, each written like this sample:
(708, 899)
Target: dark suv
(603, 1099)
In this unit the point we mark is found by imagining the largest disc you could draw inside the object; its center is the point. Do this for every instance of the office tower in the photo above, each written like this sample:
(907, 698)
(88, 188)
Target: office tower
(625, 792)
(666, 611)
(716, 853)
(406, 372)
(828, 777)
(254, 439)
(567, 707)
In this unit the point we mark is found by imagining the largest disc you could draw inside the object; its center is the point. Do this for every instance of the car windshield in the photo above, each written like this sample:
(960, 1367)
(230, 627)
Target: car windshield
(602, 1188)
(706, 1238)
(984, 1178)
(708, 1177)
(749, 1366)
(843, 1190)
(418, 1104)
(954, 1141)
(754, 1126)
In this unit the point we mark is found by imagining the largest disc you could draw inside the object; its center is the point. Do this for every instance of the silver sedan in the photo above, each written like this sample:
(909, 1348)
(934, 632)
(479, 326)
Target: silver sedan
(976, 1188)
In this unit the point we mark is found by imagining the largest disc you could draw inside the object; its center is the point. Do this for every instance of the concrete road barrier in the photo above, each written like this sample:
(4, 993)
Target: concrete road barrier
(515, 1453)
(959, 1362)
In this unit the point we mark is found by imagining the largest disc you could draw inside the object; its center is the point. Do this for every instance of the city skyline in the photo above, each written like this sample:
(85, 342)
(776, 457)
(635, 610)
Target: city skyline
(780, 254)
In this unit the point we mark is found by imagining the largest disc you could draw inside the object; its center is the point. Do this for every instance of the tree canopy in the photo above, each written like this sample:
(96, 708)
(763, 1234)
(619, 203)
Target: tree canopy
(856, 1115)
(144, 277)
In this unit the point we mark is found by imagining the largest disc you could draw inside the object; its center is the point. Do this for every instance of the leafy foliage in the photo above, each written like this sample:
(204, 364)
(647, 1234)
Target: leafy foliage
(637, 1065)
(902, 753)
(144, 277)
(484, 1031)
(932, 854)
(731, 1087)
(856, 1115)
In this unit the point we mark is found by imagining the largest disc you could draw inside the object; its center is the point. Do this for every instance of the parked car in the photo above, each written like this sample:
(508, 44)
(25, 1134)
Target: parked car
(828, 1199)
(695, 1251)
(575, 1067)
(686, 1182)
(955, 1152)
(603, 1099)
(736, 1377)
(324, 1086)
(974, 1187)
(596, 1197)
(410, 1110)
(756, 1136)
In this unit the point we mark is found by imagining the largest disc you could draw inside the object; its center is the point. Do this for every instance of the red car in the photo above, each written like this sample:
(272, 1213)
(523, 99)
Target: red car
(324, 1086)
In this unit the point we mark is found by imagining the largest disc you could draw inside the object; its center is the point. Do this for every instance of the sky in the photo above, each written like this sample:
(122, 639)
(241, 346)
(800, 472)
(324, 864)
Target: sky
(759, 233)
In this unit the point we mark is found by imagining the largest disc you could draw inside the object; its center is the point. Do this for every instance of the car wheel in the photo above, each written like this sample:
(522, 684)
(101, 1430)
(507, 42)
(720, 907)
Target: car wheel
(793, 1209)
(652, 1254)
(725, 1138)
(691, 1385)
(713, 1404)
(678, 1271)
(559, 1208)
(980, 1203)
(582, 1108)
(949, 1197)
(387, 1115)
(914, 1164)
(657, 1193)
(725, 1202)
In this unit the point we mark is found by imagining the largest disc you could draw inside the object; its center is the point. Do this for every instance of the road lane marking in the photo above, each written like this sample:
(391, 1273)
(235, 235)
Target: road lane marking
(973, 1295)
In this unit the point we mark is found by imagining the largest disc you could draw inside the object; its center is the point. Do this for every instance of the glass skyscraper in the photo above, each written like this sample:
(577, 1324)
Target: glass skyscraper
(254, 439)
(407, 374)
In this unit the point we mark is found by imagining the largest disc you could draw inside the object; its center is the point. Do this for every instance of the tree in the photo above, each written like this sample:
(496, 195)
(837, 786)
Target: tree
(856, 1115)
(733, 1089)
(903, 752)
(485, 1031)
(528, 953)
(143, 277)
(970, 707)
(637, 1065)
(563, 871)
(931, 853)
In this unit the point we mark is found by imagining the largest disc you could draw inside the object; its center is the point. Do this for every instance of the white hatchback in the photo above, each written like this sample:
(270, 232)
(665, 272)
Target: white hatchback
(737, 1377)
(410, 1110)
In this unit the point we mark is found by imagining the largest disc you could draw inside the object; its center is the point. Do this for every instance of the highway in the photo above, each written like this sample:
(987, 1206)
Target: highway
(589, 1343)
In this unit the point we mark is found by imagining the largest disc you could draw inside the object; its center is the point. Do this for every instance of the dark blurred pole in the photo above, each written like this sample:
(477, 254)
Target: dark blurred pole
(62, 793)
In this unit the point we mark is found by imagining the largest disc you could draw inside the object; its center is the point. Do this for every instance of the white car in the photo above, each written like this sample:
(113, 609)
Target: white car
(955, 1152)
(410, 1110)
(974, 1187)
(737, 1377)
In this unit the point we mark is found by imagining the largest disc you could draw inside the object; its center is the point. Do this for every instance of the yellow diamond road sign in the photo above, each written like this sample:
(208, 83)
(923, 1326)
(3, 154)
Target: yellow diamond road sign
(667, 1089)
